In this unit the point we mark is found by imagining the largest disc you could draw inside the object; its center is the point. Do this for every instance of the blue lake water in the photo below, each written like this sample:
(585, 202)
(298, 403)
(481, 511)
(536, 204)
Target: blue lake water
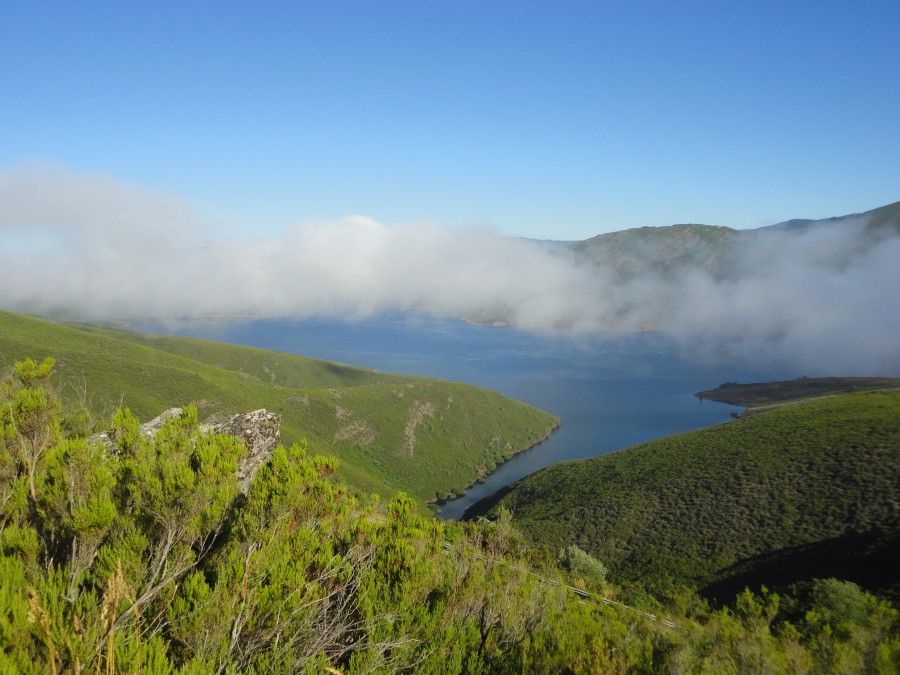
(611, 391)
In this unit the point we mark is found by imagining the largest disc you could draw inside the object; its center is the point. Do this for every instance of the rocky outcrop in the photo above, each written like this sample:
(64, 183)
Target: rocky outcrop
(150, 428)
(260, 430)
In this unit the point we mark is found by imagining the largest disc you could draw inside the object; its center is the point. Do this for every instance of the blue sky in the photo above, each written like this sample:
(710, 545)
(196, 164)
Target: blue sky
(544, 119)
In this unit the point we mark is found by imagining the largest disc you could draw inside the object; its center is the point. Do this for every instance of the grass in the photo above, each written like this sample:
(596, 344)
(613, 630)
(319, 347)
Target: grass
(391, 432)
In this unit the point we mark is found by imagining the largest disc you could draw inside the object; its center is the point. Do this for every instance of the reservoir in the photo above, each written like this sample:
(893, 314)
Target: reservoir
(610, 390)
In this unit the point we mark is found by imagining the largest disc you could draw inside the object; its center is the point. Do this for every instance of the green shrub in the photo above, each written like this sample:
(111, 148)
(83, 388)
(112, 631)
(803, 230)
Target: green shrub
(583, 564)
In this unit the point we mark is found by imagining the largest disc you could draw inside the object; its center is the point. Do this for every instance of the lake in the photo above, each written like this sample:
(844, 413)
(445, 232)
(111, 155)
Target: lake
(611, 390)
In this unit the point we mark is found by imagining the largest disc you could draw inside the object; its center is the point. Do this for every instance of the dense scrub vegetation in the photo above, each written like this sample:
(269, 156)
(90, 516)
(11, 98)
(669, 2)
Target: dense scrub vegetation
(392, 432)
(807, 490)
(147, 557)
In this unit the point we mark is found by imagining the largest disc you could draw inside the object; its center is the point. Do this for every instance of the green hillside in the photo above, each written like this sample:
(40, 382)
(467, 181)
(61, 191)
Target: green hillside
(422, 435)
(151, 557)
(808, 490)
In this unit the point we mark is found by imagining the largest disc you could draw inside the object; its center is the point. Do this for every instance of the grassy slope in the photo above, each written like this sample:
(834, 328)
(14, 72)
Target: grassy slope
(392, 432)
(807, 490)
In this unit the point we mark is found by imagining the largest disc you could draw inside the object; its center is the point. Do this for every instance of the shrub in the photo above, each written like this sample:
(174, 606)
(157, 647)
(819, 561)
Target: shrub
(583, 564)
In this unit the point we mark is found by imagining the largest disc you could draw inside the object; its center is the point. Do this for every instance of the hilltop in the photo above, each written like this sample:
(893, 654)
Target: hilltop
(392, 432)
(804, 491)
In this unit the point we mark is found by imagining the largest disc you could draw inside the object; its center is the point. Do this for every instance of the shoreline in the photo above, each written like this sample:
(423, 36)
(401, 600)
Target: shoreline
(441, 503)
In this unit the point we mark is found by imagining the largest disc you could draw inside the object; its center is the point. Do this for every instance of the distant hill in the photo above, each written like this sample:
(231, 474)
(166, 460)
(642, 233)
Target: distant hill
(884, 220)
(660, 250)
(807, 490)
(762, 396)
(670, 251)
(391, 432)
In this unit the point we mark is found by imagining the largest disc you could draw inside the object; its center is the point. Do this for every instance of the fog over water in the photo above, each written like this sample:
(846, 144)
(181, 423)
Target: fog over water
(91, 247)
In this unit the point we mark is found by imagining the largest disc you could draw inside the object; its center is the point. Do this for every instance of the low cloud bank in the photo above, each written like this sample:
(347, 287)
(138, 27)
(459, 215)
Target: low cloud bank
(819, 301)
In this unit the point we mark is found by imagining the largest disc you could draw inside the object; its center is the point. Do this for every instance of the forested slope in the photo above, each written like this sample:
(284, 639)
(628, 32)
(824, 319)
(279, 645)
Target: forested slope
(810, 490)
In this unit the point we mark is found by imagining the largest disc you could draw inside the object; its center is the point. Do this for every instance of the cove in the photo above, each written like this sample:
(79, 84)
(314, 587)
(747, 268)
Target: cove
(610, 390)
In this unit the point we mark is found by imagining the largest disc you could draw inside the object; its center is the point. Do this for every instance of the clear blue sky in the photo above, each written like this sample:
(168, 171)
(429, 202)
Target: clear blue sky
(545, 119)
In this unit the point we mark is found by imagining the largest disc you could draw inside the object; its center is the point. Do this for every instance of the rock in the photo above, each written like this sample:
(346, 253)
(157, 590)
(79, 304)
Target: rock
(105, 439)
(150, 428)
(260, 430)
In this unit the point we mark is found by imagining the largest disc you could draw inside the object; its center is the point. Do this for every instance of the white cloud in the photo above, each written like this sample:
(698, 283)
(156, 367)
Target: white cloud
(94, 247)
(48, 196)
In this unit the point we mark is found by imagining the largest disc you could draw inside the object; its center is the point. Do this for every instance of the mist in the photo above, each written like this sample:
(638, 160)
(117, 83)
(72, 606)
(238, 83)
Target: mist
(823, 301)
